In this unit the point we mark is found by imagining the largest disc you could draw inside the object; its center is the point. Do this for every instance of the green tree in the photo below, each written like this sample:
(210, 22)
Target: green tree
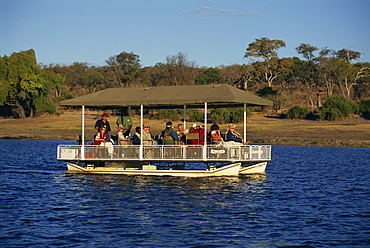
(266, 92)
(348, 55)
(81, 78)
(307, 51)
(362, 88)
(348, 75)
(273, 95)
(264, 48)
(156, 75)
(124, 68)
(208, 76)
(23, 82)
(336, 70)
(327, 66)
(307, 73)
(267, 50)
(5, 82)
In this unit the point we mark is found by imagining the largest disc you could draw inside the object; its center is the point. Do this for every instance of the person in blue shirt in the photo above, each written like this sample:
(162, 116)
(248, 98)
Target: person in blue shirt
(170, 137)
(233, 135)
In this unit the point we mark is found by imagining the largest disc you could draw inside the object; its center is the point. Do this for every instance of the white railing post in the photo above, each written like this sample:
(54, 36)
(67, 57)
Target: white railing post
(141, 132)
(205, 132)
(245, 123)
(184, 117)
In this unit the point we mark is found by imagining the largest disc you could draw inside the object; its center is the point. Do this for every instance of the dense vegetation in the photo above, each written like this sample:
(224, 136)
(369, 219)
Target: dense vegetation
(298, 112)
(28, 89)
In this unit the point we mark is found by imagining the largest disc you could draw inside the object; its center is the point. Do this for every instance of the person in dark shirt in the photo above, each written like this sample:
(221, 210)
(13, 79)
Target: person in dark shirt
(136, 139)
(103, 122)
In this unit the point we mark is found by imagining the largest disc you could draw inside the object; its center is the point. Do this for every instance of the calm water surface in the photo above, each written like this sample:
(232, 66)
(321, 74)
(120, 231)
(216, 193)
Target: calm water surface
(309, 197)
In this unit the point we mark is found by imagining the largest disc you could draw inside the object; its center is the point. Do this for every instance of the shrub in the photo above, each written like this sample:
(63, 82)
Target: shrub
(194, 115)
(364, 107)
(220, 115)
(177, 114)
(355, 108)
(229, 115)
(298, 112)
(65, 95)
(337, 107)
(330, 114)
(237, 115)
(265, 92)
(171, 114)
(273, 95)
(43, 104)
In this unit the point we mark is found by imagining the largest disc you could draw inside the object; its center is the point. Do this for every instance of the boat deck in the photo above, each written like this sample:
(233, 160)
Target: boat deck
(163, 153)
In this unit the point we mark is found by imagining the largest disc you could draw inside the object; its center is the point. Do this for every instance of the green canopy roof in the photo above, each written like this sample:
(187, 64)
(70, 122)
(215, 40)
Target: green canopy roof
(216, 95)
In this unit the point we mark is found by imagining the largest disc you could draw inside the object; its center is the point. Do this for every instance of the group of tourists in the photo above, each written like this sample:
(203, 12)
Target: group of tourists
(193, 136)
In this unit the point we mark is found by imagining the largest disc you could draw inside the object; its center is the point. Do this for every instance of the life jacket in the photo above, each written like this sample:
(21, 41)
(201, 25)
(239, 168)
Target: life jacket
(168, 140)
(101, 136)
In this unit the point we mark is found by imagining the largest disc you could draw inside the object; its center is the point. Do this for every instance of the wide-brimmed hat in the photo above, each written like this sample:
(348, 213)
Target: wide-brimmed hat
(105, 115)
(120, 126)
(195, 124)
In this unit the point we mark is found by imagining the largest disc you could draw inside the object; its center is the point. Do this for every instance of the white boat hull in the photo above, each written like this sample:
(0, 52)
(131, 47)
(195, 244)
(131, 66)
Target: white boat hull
(228, 170)
(253, 169)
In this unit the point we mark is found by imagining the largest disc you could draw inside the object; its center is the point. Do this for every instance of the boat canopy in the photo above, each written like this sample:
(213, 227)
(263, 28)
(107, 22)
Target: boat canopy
(159, 97)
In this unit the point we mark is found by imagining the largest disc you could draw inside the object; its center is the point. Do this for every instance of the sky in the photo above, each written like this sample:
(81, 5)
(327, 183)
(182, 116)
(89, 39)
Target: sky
(210, 32)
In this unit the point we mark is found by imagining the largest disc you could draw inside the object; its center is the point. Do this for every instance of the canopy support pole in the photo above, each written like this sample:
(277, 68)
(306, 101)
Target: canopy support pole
(184, 117)
(141, 131)
(83, 133)
(205, 132)
(245, 123)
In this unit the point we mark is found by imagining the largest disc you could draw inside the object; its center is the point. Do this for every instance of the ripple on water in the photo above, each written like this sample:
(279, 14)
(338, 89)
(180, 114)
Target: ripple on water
(309, 197)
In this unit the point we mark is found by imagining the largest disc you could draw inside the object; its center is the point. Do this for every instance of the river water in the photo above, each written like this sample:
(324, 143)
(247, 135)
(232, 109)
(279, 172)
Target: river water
(309, 197)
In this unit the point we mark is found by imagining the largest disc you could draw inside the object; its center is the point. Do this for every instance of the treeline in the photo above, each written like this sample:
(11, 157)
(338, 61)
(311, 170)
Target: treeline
(28, 88)
(335, 108)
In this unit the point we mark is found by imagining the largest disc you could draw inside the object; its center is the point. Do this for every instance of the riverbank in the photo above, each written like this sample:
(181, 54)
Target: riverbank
(354, 132)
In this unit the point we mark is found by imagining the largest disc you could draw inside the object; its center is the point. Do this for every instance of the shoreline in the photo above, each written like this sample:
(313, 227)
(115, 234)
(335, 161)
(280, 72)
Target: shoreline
(261, 129)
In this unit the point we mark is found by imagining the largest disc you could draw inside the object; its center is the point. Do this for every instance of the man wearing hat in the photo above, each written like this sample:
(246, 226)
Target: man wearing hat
(103, 122)
(169, 135)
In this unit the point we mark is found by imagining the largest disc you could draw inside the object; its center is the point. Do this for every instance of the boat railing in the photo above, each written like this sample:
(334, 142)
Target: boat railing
(164, 153)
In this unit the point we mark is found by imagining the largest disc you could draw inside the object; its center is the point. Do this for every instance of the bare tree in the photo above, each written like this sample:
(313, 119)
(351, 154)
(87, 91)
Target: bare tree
(180, 69)
(239, 75)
